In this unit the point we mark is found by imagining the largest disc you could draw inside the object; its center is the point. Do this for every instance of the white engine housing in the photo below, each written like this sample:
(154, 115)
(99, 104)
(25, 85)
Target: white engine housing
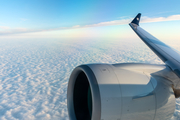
(120, 92)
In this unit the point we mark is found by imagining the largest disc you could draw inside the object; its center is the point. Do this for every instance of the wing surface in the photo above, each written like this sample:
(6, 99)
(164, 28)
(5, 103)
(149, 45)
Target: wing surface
(167, 54)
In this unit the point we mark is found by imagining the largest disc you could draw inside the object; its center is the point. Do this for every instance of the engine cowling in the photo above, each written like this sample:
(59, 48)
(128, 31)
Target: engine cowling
(120, 92)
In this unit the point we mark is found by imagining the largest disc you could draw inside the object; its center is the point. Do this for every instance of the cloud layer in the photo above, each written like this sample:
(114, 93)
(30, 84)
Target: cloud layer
(34, 73)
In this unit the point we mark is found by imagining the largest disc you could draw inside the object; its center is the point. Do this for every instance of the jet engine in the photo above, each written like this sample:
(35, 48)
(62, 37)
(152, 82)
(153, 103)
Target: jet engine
(126, 91)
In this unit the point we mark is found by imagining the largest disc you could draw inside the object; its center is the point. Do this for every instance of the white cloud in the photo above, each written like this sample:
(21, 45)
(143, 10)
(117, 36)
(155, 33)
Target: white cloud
(4, 27)
(109, 23)
(160, 19)
(123, 20)
(76, 26)
(144, 19)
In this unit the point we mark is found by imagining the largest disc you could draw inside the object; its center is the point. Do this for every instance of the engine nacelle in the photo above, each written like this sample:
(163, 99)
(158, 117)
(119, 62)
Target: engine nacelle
(120, 92)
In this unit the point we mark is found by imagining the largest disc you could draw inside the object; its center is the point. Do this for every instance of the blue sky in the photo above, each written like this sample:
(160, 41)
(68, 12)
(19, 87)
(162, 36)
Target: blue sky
(80, 18)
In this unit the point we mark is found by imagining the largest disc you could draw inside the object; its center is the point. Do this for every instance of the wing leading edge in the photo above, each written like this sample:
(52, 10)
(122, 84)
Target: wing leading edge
(168, 55)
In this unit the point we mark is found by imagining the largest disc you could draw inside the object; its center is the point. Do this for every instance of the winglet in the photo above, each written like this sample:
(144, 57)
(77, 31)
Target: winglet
(137, 19)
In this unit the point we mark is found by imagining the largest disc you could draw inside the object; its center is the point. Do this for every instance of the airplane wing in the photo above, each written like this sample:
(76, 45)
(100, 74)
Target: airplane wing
(126, 91)
(168, 55)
